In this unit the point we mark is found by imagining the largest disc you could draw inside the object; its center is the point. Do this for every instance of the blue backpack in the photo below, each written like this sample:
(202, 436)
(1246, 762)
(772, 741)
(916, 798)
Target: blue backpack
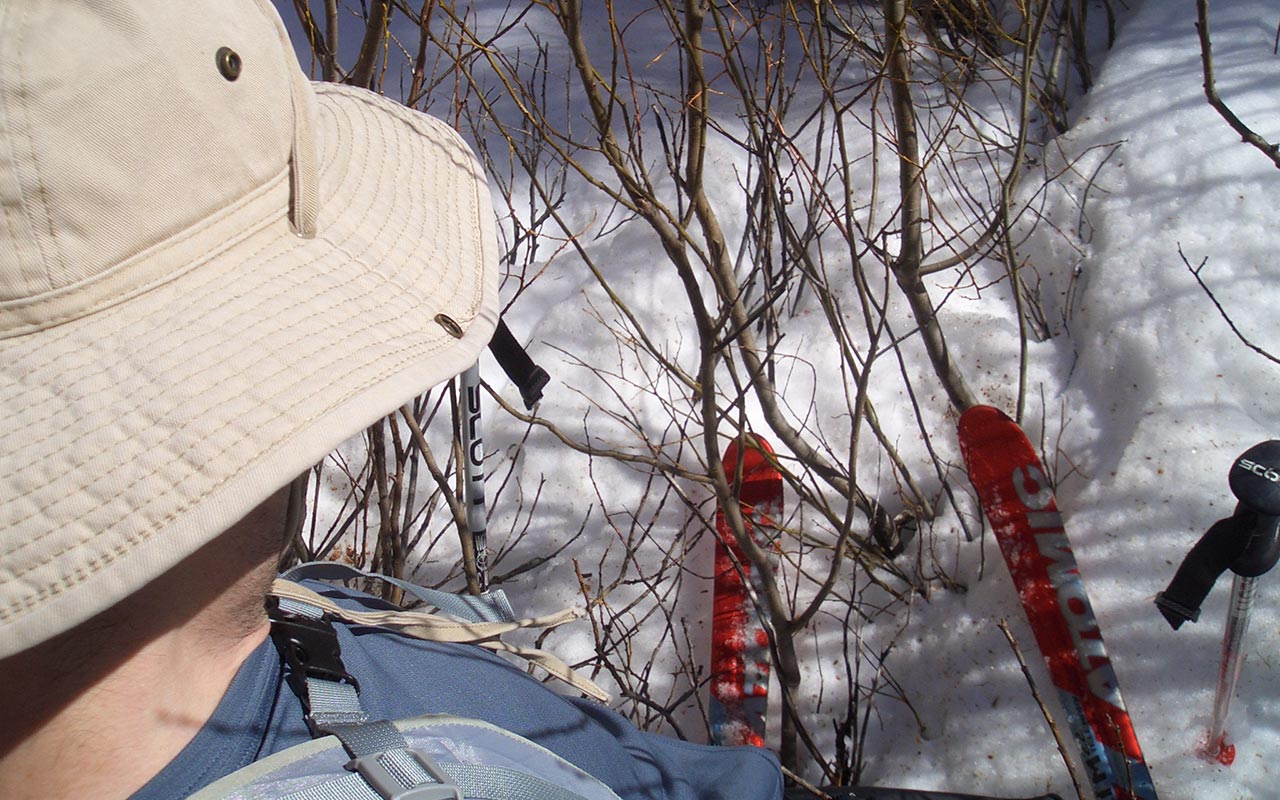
(433, 757)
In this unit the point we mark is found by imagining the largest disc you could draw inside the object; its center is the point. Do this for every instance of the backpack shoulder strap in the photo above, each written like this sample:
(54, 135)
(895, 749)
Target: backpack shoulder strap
(354, 757)
(381, 759)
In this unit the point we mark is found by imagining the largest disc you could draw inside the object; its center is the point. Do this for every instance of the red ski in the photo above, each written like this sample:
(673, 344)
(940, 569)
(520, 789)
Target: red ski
(739, 640)
(1019, 502)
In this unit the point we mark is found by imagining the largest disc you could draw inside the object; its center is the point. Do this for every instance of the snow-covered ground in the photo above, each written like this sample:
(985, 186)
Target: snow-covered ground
(1144, 397)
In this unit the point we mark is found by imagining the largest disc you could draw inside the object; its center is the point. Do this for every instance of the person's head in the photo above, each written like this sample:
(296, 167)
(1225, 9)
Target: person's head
(212, 272)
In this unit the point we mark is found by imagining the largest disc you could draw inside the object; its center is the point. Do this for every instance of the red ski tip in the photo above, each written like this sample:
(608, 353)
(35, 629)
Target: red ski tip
(754, 459)
(740, 659)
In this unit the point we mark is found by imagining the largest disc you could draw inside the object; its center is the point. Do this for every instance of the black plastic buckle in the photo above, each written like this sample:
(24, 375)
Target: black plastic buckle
(309, 647)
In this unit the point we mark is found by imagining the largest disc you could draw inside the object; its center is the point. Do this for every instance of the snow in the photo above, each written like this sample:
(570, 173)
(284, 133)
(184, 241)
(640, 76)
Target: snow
(1142, 399)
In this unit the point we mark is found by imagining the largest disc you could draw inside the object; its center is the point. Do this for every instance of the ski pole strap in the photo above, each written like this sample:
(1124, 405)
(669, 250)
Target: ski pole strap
(1207, 560)
(528, 377)
(490, 606)
(1246, 543)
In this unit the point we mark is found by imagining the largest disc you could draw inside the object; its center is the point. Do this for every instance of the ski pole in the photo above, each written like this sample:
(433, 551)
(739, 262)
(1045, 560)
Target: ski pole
(530, 379)
(473, 489)
(1242, 592)
(1247, 543)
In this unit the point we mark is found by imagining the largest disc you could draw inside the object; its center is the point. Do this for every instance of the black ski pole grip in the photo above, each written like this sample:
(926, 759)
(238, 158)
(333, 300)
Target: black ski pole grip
(1255, 478)
(1247, 543)
(1212, 555)
(1255, 481)
(528, 377)
(1261, 550)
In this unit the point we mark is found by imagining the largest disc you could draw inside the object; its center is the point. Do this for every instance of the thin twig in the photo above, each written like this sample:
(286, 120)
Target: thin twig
(1195, 273)
(1048, 717)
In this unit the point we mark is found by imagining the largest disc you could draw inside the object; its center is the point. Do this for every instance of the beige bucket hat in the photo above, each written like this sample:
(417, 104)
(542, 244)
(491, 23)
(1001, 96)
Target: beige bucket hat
(212, 271)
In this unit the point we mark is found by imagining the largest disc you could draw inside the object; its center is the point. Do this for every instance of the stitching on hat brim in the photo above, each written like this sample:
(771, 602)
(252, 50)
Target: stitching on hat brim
(430, 349)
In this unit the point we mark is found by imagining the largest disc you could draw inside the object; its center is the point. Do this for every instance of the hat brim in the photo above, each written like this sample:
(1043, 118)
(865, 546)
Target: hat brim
(141, 431)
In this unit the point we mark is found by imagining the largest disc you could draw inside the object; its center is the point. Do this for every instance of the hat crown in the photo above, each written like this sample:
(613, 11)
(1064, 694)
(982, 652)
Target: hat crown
(121, 125)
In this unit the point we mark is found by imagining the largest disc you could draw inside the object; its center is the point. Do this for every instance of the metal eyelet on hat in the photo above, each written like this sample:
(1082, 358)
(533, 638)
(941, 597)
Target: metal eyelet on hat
(450, 325)
(229, 63)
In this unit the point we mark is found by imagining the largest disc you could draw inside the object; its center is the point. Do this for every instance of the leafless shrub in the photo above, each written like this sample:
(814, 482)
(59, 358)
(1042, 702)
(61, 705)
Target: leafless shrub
(873, 152)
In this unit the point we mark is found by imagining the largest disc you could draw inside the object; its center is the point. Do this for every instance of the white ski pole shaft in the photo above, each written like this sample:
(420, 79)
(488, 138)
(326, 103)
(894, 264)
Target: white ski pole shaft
(1242, 593)
(473, 456)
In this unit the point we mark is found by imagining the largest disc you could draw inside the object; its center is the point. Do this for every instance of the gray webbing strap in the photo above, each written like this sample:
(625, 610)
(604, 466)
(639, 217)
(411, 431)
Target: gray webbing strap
(368, 738)
(491, 606)
(334, 704)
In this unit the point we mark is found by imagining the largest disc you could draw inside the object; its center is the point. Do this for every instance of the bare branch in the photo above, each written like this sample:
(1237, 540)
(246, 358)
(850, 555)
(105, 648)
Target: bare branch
(1195, 273)
(1247, 134)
